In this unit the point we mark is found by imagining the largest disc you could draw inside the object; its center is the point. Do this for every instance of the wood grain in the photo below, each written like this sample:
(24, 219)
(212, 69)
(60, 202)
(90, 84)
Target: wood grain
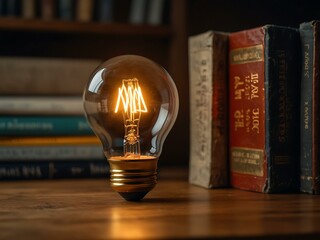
(89, 209)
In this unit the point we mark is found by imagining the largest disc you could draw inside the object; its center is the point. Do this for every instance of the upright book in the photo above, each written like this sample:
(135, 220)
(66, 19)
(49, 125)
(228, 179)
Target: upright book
(264, 89)
(208, 107)
(310, 108)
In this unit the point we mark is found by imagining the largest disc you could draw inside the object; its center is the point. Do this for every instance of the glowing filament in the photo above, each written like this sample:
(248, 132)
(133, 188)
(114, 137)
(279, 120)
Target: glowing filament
(131, 96)
(133, 104)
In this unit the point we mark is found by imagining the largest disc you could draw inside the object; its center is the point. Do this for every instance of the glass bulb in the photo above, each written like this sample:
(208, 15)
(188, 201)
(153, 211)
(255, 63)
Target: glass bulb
(131, 104)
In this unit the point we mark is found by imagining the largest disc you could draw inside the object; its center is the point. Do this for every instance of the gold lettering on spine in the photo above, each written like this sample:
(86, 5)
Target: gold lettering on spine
(255, 120)
(254, 85)
(239, 119)
(248, 118)
(238, 88)
(247, 54)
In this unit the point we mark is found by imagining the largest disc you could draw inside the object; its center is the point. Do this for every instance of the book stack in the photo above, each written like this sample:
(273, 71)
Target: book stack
(267, 107)
(46, 136)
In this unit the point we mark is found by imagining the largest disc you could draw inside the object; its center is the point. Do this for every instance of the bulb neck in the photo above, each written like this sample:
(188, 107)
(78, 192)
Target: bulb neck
(133, 178)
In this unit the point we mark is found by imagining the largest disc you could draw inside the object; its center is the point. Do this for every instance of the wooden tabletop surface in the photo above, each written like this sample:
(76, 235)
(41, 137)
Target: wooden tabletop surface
(90, 209)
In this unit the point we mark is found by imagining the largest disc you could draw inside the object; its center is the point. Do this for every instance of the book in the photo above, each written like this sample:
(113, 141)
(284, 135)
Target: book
(66, 9)
(310, 108)
(155, 12)
(44, 76)
(264, 95)
(105, 10)
(53, 170)
(43, 125)
(208, 64)
(138, 11)
(48, 9)
(12, 8)
(2, 8)
(48, 140)
(28, 9)
(75, 152)
(41, 105)
(84, 10)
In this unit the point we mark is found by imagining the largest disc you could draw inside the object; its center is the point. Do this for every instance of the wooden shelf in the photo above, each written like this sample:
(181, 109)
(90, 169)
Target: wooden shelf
(90, 209)
(16, 24)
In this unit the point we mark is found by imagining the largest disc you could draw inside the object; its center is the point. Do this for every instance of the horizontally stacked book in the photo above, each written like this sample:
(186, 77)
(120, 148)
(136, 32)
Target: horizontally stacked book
(269, 142)
(46, 136)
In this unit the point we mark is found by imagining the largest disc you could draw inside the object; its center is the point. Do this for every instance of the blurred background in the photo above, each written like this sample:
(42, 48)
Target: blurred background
(158, 29)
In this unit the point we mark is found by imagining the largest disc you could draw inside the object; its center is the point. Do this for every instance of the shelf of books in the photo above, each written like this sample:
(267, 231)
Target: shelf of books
(44, 133)
(129, 17)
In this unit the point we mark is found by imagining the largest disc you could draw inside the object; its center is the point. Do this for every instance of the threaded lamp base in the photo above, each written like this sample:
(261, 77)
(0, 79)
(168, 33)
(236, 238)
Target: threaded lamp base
(133, 178)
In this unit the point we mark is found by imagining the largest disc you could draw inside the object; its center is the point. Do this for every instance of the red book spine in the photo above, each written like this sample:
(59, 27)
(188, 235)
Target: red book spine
(247, 109)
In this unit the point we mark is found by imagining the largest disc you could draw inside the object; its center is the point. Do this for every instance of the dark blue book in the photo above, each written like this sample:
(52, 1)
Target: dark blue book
(24, 170)
(310, 108)
(105, 10)
(13, 8)
(66, 9)
(2, 8)
(44, 126)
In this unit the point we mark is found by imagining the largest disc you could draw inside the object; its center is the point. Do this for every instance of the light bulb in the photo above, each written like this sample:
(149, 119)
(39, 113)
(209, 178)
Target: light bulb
(131, 104)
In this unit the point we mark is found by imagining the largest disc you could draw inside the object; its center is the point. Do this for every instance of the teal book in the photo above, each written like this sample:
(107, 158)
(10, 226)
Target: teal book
(44, 126)
(310, 108)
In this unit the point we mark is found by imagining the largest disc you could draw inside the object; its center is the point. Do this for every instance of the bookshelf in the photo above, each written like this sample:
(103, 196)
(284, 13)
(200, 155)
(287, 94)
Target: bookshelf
(165, 44)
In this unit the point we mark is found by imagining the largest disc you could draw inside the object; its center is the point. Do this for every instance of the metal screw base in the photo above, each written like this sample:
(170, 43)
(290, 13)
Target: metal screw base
(133, 178)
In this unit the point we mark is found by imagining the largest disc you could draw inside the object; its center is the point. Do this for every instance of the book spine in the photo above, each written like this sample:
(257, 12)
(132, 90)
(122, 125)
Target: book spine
(2, 8)
(282, 109)
(48, 140)
(105, 10)
(208, 107)
(309, 176)
(84, 10)
(65, 9)
(44, 76)
(41, 105)
(44, 125)
(47, 9)
(247, 107)
(155, 12)
(59, 152)
(53, 170)
(137, 11)
(12, 8)
(28, 9)
(264, 103)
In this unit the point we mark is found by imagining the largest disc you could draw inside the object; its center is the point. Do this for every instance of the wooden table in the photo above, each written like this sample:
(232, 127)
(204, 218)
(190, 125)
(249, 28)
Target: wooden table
(89, 209)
